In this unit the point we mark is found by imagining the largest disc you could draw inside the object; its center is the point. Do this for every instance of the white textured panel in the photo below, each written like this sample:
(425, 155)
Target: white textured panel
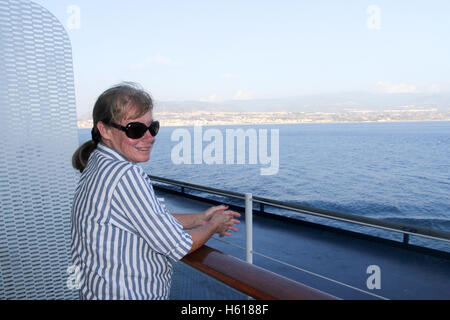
(38, 138)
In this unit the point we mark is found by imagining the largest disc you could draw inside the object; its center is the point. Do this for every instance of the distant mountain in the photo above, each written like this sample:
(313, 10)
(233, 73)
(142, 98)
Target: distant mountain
(312, 103)
(315, 103)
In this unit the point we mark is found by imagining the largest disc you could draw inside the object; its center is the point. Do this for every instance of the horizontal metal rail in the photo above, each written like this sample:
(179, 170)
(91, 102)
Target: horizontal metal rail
(249, 279)
(405, 229)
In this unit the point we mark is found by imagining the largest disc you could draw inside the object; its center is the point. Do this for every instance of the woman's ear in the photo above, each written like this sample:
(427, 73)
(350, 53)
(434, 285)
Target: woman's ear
(104, 130)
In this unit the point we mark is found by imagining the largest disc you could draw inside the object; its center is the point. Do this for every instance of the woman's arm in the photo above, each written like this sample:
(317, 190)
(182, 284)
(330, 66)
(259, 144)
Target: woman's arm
(220, 223)
(205, 224)
(190, 220)
(194, 220)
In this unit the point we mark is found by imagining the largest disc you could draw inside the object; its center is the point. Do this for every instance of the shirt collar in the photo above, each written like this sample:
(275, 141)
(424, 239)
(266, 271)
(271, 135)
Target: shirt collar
(110, 153)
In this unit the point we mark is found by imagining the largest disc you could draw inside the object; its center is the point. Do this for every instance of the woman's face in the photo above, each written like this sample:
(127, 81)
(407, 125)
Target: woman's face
(135, 150)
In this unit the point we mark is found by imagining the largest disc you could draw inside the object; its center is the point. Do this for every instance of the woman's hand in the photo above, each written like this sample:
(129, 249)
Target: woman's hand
(214, 220)
(224, 220)
(195, 220)
(207, 214)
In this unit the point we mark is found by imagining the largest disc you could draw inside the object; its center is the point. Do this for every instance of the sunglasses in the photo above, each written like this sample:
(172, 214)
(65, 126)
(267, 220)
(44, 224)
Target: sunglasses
(136, 130)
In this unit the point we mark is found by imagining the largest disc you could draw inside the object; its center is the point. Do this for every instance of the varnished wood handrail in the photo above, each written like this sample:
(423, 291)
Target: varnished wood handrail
(249, 279)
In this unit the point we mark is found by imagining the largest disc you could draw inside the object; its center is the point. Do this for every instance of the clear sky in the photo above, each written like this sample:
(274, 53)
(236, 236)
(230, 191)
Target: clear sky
(254, 49)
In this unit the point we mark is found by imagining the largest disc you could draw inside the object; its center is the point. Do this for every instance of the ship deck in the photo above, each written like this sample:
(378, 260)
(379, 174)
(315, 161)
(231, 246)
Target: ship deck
(329, 259)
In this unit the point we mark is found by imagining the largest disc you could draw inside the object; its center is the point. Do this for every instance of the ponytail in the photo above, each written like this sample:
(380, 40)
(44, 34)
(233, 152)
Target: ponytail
(81, 156)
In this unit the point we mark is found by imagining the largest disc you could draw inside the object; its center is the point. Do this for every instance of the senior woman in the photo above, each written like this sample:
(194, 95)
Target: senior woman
(123, 240)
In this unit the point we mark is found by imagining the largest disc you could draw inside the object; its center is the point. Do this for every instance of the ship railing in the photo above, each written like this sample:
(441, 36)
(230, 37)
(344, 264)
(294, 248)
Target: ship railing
(263, 284)
(405, 229)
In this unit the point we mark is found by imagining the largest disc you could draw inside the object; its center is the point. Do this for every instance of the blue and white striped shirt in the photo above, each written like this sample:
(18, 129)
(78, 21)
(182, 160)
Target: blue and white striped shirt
(123, 240)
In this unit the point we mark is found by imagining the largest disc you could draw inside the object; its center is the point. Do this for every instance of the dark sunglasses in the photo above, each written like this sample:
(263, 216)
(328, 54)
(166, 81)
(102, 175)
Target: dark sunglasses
(136, 130)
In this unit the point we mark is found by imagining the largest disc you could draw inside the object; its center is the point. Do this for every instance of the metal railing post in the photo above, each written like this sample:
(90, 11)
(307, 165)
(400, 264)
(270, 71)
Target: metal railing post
(249, 227)
(405, 238)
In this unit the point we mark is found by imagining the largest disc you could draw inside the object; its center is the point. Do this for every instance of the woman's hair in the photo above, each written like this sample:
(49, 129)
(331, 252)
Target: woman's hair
(124, 101)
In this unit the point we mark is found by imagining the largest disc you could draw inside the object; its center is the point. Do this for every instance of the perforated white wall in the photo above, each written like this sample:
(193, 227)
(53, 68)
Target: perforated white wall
(38, 138)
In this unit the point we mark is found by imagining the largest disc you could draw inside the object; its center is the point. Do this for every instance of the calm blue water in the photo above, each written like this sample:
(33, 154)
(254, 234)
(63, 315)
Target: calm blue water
(393, 171)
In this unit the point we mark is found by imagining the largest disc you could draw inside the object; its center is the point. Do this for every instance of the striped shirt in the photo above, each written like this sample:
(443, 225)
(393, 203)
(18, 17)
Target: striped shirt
(123, 240)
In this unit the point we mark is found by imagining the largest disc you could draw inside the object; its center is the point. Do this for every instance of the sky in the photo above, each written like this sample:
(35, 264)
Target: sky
(221, 50)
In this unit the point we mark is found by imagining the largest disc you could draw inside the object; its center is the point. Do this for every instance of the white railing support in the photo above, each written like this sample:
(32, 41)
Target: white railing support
(249, 227)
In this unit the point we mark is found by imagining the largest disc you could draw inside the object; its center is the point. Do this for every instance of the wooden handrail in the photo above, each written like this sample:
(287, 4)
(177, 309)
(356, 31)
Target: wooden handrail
(249, 279)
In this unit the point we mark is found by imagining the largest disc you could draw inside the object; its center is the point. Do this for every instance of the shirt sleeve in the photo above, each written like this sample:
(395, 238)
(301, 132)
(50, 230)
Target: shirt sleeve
(137, 200)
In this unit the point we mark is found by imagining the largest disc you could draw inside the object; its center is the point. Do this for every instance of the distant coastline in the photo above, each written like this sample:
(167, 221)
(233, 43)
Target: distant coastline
(211, 118)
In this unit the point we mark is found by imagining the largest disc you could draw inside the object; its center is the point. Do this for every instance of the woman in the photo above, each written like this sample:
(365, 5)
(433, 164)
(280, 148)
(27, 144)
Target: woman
(123, 240)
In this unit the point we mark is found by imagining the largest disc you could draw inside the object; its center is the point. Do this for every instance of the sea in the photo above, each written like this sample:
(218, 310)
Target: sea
(396, 171)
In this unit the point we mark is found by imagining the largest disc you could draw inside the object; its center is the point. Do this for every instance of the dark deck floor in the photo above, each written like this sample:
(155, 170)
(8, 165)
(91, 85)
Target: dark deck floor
(338, 256)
